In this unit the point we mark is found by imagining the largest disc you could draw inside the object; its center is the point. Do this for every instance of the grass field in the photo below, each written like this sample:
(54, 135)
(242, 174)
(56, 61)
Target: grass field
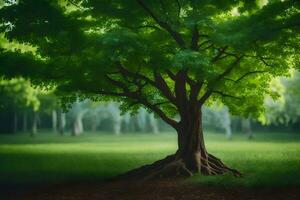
(268, 160)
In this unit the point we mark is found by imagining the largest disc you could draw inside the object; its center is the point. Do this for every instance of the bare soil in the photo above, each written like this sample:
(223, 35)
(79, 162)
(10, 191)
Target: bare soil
(154, 190)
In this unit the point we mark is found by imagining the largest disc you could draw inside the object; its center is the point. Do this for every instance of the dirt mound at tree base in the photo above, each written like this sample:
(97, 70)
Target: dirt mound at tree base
(156, 190)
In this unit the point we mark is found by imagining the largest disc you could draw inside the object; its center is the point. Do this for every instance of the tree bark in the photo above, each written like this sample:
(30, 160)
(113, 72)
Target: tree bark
(191, 156)
(94, 125)
(54, 121)
(226, 121)
(117, 122)
(25, 121)
(15, 122)
(62, 122)
(34, 123)
(153, 124)
(191, 145)
(77, 125)
(246, 127)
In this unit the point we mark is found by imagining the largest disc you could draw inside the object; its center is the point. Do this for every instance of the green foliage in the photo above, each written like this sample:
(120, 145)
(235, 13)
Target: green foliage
(232, 48)
(285, 110)
(17, 94)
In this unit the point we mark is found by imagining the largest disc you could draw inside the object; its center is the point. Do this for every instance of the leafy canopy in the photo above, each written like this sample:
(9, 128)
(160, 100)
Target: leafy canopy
(161, 54)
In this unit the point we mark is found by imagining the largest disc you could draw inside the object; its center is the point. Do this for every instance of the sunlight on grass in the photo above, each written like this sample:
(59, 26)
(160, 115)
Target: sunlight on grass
(264, 161)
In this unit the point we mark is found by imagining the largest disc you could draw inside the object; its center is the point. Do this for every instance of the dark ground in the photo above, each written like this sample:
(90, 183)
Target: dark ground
(156, 190)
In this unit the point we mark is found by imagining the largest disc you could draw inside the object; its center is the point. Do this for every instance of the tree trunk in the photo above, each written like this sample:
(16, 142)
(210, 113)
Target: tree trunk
(227, 123)
(94, 126)
(34, 124)
(191, 145)
(62, 122)
(117, 122)
(246, 127)
(15, 122)
(153, 123)
(25, 121)
(54, 121)
(191, 156)
(77, 125)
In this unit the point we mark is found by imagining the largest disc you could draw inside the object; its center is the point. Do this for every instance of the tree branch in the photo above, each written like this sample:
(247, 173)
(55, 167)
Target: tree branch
(135, 75)
(74, 4)
(195, 89)
(178, 9)
(217, 80)
(195, 39)
(220, 53)
(176, 36)
(161, 103)
(204, 43)
(159, 83)
(160, 113)
(226, 95)
(170, 74)
(136, 96)
(263, 60)
(145, 26)
(249, 73)
(180, 89)
(164, 88)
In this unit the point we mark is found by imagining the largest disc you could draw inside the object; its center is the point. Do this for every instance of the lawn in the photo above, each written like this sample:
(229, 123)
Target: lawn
(270, 160)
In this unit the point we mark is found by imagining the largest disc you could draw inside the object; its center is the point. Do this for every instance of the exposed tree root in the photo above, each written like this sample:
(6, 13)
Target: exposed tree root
(175, 167)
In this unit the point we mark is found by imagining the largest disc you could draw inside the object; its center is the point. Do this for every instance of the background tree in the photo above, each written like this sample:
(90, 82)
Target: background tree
(76, 114)
(49, 104)
(17, 96)
(170, 57)
(284, 111)
(217, 117)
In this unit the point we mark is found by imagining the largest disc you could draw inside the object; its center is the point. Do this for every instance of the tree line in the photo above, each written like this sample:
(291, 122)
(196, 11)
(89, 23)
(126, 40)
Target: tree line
(24, 108)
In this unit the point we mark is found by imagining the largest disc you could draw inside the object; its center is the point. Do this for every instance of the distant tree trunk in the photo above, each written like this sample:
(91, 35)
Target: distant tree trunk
(126, 120)
(246, 127)
(227, 124)
(54, 121)
(95, 123)
(117, 122)
(15, 122)
(77, 125)
(61, 122)
(153, 123)
(25, 121)
(94, 126)
(228, 133)
(142, 120)
(34, 123)
(114, 111)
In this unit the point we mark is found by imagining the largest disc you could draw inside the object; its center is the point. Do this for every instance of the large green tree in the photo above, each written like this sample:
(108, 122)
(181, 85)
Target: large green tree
(169, 56)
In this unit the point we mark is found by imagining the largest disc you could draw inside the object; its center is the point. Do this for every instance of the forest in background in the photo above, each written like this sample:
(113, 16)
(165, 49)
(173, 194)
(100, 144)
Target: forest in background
(24, 108)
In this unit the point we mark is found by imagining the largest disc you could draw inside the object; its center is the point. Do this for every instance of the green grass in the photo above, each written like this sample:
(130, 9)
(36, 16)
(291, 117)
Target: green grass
(268, 160)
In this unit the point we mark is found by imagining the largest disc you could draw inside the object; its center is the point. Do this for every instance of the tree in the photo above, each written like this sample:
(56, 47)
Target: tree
(79, 109)
(49, 104)
(286, 110)
(218, 116)
(153, 124)
(246, 127)
(171, 57)
(292, 97)
(17, 96)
